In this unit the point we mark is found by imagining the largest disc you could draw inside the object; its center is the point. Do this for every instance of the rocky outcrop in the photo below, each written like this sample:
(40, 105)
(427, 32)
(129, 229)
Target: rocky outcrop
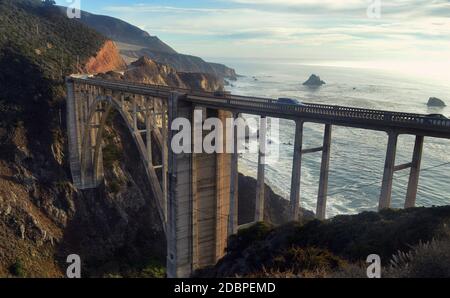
(436, 102)
(182, 63)
(107, 59)
(147, 71)
(135, 43)
(123, 32)
(314, 81)
(276, 208)
(201, 81)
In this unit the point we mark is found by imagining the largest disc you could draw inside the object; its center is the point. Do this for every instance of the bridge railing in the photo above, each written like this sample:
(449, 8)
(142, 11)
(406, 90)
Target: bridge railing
(266, 104)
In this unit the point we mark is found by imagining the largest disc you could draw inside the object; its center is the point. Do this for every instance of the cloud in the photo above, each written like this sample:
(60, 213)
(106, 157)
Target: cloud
(314, 27)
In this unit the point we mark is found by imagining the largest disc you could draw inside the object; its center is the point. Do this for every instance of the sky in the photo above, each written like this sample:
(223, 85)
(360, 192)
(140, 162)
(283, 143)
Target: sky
(395, 32)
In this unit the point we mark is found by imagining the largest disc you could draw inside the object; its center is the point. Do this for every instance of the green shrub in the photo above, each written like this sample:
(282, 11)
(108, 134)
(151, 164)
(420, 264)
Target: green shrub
(18, 269)
(111, 154)
(153, 269)
(298, 260)
(114, 186)
(248, 236)
(425, 260)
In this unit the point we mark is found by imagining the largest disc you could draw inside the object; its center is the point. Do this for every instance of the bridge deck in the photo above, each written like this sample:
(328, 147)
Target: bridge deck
(404, 123)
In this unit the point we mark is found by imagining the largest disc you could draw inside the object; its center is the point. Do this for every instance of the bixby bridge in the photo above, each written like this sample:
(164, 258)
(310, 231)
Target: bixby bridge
(197, 194)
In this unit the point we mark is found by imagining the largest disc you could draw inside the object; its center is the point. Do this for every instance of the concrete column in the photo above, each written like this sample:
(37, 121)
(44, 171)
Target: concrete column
(223, 192)
(164, 151)
(324, 170)
(149, 131)
(180, 206)
(260, 185)
(413, 183)
(296, 172)
(73, 134)
(134, 113)
(388, 176)
(234, 183)
(122, 101)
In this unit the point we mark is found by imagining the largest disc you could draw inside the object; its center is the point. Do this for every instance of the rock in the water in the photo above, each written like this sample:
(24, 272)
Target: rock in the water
(436, 102)
(314, 81)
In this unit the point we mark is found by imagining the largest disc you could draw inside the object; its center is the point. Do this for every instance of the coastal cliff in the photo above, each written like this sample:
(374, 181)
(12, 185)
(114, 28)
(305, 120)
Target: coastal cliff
(147, 71)
(182, 63)
(107, 59)
(43, 218)
(135, 43)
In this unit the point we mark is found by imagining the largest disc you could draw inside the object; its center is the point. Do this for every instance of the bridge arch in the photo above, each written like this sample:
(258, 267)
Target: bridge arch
(96, 112)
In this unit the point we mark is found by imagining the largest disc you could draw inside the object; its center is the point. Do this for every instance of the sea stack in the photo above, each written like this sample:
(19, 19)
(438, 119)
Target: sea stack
(314, 81)
(436, 102)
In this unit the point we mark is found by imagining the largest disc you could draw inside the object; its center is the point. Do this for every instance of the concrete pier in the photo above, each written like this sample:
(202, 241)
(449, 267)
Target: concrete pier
(413, 183)
(234, 182)
(388, 176)
(324, 170)
(180, 202)
(260, 184)
(296, 172)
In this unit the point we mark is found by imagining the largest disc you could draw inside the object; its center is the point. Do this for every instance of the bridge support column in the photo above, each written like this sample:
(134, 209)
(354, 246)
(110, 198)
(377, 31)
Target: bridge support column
(413, 183)
(74, 134)
(260, 184)
(234, 180)
(199, 197)
(164, 151)
(180, 202)
(389, 168)
(296, 172)
(323, 183)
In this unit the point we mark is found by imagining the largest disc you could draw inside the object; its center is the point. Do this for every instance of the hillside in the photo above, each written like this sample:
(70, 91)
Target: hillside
(123, 32)
(42, 217)
(411, 243)
(135, 43)
(147, 71)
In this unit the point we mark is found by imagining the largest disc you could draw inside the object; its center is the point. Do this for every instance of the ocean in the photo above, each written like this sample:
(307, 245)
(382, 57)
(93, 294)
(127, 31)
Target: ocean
(357, 156)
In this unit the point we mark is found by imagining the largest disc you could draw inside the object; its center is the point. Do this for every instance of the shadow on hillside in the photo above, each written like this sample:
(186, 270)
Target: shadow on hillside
(117, 232)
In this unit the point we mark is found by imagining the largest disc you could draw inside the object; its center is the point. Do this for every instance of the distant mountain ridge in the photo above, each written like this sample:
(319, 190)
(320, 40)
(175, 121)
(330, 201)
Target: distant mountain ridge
(134, 43)
(123, 32)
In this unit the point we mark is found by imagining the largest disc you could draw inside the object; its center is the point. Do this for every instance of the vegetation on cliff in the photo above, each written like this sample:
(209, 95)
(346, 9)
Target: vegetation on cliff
(135, 43)
(147, 71)
(408, 242)
(42, 217)
(43, 35)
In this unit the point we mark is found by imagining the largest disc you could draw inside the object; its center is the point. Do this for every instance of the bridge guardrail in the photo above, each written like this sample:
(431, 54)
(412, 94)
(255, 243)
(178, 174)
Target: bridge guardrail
(266, 104)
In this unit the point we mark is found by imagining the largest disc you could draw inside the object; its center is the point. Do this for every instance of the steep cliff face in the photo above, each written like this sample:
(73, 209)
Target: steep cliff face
(182, 63)
(135, 43)
(43, 218)
(147, 71)
(107, 59)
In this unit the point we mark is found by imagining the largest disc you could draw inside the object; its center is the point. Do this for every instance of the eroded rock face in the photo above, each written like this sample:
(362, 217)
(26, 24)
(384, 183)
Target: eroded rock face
(147, 71)
(314, 81)
(436, 102)
(107, 59)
